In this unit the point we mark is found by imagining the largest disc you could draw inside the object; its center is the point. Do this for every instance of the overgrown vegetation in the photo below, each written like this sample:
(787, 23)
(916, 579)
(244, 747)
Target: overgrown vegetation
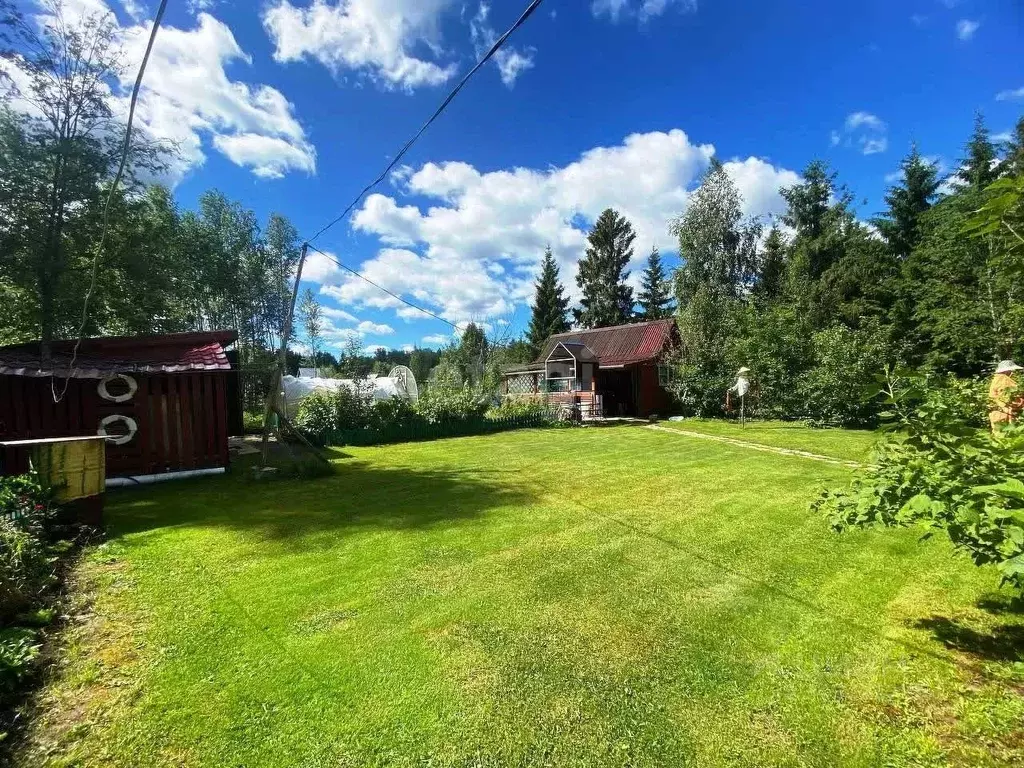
(32, 543)
(942, 469)
(331, 417)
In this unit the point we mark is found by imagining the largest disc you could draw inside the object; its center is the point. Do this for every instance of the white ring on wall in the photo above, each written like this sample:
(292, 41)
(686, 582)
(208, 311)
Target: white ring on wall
(128, 380)
(128, 421)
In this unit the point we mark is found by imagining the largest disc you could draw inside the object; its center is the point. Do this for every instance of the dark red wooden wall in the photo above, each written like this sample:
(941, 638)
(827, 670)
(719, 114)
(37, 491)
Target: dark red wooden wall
(651, 398)
(182, 418)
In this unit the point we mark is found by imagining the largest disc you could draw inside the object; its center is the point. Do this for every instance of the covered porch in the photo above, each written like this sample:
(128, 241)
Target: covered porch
(565, 378)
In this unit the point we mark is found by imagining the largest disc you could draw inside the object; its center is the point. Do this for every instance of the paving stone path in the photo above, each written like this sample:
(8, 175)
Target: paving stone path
(758, 446)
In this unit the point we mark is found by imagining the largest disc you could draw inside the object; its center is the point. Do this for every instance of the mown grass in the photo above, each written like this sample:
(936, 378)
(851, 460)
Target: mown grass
(847, 444)
(599, 596)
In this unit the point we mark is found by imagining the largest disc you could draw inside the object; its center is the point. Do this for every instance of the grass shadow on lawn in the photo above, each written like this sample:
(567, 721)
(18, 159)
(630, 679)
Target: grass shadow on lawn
(1004, 642)
(358, 496)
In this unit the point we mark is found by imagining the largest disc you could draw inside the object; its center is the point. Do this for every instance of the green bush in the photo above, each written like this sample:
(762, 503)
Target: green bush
(518, 407)
(352, 408)
(26, 521)
(393, 413)
(318, 416)
(25, 497)
(440, 404)
(775, 343)
(841, 389)
(26, 568)
(943, 471)
(19, 649)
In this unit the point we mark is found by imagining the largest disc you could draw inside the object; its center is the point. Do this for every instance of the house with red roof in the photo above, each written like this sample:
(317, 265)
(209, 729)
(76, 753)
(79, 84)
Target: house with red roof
(613, 371)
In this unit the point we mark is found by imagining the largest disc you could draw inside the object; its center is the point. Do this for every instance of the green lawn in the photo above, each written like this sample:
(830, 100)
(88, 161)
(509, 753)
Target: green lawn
(601, 596)
(849, 444)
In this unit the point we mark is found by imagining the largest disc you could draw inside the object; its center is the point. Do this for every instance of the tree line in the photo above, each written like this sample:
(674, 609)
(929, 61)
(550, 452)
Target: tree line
(161, 269)
(817, 302)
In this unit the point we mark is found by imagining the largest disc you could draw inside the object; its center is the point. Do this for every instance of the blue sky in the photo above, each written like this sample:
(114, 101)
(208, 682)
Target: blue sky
(611, 103)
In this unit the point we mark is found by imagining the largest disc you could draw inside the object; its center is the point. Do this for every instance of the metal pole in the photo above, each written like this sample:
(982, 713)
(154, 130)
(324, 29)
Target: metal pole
(282, 358)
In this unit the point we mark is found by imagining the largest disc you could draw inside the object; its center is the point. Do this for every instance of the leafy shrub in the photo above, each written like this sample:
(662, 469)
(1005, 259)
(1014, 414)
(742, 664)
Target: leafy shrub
(393, 413)
(842, 388)
(445, 404)
(518, 407)
(26, 568)
(318, 416)
(252, 422)
(25, 497)
(702, 372)
(26, 519)
(775, 343)
(19, 649)
(352, 407)
(943, 471)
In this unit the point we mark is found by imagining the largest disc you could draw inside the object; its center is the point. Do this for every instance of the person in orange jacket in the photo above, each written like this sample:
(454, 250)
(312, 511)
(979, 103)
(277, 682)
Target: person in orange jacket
(1006, 396)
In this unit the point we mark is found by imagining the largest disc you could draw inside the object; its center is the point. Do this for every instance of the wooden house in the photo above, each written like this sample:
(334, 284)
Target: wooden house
(162, 401)
(614, 371)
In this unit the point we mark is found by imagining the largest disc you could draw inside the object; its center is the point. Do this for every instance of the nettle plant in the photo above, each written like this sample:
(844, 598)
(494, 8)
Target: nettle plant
(942, 469)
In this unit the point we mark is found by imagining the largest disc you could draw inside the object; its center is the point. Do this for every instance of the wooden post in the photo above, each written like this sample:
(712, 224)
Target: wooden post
(282, 358)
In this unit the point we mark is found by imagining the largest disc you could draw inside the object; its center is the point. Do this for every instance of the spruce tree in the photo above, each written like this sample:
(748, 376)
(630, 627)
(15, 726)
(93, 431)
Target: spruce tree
(771, 275)
(549, 306)
(607, 300)
(900, 225)
(1013, 160)
(654, 299)
(978, 169)
(818, 210)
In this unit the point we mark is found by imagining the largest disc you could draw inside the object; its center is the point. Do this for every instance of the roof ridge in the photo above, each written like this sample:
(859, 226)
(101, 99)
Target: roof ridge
(612, 327)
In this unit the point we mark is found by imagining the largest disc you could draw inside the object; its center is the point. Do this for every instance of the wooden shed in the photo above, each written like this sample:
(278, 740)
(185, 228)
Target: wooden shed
(613, 371)
(162, 401)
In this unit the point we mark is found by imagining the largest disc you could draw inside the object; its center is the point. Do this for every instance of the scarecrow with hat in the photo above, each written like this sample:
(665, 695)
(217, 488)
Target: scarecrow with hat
(1007, 401)
(740, 388)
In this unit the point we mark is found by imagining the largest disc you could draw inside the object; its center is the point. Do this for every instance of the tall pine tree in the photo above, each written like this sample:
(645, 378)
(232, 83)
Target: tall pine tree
(818, 210)
(607, 300)
(654, 299)
(900, 225)
(771, 273)
(978, 169)
(549, 306)
(1013, 161)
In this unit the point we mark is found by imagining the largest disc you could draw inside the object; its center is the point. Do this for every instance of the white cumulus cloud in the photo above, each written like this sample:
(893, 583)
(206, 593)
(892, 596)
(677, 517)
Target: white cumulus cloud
(863, 131)
(269, 156)
(189, 102)
(374, 329)
(1011, 94)
(965, 29)
(469, 247)
(511, 62)
(644, 10)
(382, 39)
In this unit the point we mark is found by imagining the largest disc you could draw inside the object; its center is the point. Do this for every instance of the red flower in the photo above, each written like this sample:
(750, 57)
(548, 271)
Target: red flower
(40, 507)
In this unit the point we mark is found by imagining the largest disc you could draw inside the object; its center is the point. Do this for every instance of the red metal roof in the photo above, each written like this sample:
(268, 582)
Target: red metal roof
(619, 344)
(106, 355)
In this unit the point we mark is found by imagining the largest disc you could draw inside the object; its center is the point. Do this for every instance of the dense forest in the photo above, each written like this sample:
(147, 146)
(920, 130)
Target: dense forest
(816, 303)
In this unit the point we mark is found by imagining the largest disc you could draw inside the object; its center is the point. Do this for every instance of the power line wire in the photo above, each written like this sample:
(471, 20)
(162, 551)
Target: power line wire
(110, 199)
(385, 290)
(444, 104)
